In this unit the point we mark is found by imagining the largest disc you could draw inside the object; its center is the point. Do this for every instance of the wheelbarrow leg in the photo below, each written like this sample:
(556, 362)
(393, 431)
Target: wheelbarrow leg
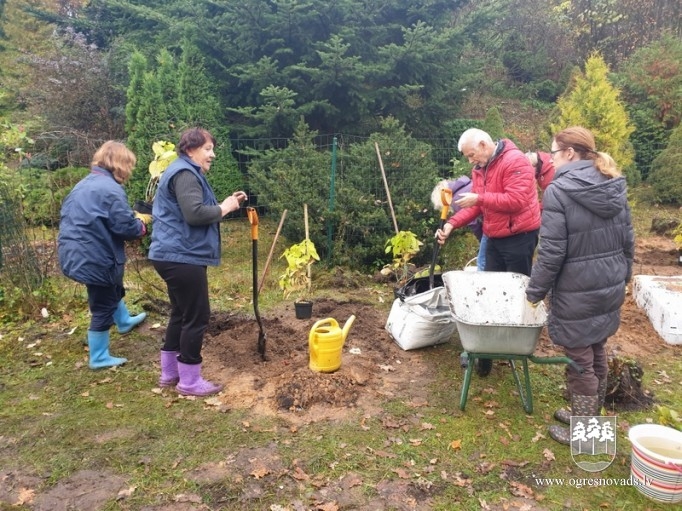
(467, 377)
(527, 394)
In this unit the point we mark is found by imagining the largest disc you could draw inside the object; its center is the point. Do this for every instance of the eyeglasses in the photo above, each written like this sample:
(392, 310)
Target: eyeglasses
(557, 151)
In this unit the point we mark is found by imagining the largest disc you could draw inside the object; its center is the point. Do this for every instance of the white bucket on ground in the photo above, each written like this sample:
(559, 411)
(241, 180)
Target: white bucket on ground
(656, 462)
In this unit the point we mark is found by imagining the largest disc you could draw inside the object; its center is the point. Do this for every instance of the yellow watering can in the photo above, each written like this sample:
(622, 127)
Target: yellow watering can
(326, 342)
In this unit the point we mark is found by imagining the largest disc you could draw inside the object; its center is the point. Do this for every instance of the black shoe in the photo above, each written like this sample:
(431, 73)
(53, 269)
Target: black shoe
(484, 366)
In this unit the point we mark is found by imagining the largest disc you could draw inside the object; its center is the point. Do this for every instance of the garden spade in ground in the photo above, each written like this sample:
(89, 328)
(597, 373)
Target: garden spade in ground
(253, 220)
(445, 199)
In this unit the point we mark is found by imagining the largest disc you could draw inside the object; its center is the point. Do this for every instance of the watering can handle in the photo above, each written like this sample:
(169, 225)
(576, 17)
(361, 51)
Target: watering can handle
(328, 321)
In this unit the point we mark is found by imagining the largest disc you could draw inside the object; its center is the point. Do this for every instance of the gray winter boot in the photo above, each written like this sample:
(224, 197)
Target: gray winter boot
(564, 414)
(581, 406)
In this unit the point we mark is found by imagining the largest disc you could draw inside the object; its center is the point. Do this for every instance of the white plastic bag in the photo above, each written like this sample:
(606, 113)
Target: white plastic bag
(421, 320)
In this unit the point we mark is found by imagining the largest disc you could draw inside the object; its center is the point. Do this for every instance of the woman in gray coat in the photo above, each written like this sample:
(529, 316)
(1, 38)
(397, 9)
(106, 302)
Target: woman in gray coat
(584, 262)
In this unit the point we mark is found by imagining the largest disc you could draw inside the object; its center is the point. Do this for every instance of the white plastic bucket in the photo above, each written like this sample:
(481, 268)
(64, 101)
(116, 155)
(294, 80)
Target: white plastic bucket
(656, 462)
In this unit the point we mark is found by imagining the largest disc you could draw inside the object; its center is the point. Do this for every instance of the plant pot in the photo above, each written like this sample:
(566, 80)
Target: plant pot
(304, 309)
(141, 206)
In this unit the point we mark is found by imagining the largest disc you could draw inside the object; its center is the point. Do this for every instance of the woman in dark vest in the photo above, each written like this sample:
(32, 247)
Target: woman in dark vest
(185, 241)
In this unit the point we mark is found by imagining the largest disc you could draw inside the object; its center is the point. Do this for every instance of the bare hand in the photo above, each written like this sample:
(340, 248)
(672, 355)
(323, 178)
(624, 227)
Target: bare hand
(233, 202)
(442, 234)
(467, 200)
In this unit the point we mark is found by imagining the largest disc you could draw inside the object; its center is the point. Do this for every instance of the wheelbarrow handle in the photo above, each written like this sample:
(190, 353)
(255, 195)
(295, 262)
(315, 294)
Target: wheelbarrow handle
(557, 360)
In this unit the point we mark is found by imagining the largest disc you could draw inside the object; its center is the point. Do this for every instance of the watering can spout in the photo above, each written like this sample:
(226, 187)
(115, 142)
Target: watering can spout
(346, 327)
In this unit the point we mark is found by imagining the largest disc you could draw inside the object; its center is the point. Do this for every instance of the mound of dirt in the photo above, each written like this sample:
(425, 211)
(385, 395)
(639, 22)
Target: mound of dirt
(373, 366)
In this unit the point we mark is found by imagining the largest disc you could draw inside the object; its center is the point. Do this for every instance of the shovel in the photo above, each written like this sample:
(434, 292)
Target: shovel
(445, 200)
(252, 215)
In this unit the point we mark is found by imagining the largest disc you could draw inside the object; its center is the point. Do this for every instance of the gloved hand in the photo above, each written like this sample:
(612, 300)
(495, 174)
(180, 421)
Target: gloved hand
(146, 219)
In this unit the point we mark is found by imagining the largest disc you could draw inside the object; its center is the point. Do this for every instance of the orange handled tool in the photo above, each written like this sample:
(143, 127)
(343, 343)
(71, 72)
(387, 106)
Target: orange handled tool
(445, 200)
(252, 215)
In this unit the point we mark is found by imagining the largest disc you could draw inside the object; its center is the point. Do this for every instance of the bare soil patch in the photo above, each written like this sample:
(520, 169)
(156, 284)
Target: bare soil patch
(285, 386)
(373, 367)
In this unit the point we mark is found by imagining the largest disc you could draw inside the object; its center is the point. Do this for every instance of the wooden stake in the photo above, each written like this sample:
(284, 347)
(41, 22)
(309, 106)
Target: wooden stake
(388, 192)
(307, 236)
(272, 250)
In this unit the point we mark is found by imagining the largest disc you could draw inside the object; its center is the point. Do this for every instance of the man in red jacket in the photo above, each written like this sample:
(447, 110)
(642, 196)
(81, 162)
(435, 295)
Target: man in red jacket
(504, 193)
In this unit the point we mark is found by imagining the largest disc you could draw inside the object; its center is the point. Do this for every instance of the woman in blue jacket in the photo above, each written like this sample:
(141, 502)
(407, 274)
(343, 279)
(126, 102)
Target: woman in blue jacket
(185, 240)
(95, 222)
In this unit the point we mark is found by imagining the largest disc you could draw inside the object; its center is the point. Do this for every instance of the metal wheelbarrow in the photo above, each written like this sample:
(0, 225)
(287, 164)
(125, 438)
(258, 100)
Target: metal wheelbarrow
(495, 321)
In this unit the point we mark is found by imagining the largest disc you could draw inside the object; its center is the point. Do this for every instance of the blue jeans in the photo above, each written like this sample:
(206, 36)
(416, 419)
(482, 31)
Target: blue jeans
(480, 259)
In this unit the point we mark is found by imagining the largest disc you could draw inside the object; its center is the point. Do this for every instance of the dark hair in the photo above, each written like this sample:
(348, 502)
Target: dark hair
(193, 138)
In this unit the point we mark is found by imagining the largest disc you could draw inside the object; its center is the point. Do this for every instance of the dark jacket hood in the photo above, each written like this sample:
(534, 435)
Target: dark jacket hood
(581, 181)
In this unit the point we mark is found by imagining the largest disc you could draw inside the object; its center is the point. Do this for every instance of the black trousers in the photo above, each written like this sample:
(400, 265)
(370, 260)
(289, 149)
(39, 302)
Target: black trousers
(103, 302)
(190, 309)
(513, 253)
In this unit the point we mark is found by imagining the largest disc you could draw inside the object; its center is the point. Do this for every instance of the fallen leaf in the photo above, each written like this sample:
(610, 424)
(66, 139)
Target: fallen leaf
(521, 490)
(126, 492)
(537, 437)
(402, 473)
(426, 425)
(351, 480)
(299, 475)
(327, 506)
(386, 367)
(25, 496)
(415, 442)
(213, 401)
(549, 455)
(485, 467)
(260, 472)
(456, 444)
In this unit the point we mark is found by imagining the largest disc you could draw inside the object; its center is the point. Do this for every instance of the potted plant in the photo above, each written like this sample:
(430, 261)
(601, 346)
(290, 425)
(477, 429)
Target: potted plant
(164, 154)
(296, 277)
(403, 247)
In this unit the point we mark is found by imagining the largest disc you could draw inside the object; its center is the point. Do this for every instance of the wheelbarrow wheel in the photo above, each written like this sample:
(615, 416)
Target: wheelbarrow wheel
(484, 366)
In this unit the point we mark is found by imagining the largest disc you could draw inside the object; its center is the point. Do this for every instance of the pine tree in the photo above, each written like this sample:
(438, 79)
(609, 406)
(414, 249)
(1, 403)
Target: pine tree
(666, 171)
(593, 102)
(151, 124)
(494, 124)
(136, 70)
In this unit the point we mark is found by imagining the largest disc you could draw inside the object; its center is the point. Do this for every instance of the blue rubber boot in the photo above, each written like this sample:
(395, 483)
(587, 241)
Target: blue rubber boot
(169, 369)
(124, 321)
(192, 384)
(98, 342)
